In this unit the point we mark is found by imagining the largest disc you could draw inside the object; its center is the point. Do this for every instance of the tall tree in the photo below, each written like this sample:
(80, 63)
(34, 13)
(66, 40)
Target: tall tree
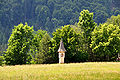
(38, 35)
(40, 46)
(70, 41)
(19, 45)
(43, 55)
(106, 42)
(87, 24)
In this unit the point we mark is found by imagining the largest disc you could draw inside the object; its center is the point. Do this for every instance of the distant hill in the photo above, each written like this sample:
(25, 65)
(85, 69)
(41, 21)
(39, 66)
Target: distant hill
(50, 14)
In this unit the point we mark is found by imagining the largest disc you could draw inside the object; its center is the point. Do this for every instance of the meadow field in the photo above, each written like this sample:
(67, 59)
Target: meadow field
(72, 71)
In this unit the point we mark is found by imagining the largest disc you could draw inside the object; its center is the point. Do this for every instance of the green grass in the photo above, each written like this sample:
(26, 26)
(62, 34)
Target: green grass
(73, 71)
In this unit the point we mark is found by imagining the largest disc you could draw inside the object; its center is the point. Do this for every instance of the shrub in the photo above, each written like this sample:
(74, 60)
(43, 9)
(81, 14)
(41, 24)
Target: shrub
(1, 60)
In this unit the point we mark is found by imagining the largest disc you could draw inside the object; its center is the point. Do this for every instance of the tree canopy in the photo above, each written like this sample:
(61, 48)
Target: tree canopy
(83, 41)
(106, 42)
(87, 24)
(19, 45)
(71, 43)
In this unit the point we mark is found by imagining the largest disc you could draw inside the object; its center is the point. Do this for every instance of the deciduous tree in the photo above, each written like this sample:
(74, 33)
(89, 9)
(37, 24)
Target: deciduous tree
(71, 43)
(87, 24)
(106, 42)
(19, 45)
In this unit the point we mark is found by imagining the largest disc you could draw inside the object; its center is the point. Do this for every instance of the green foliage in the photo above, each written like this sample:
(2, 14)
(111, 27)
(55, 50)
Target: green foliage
(116, 3)
(84, 42)
(43, 55)
(71, 43)
(106, 42)
(1, 60)
(115, 20)
(34, 48)
(50, 14)
(87, 24)
(38, 35)
(19, 45)
(40, 47)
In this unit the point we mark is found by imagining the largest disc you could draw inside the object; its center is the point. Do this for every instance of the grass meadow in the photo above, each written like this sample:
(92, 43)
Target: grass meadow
(72, 71)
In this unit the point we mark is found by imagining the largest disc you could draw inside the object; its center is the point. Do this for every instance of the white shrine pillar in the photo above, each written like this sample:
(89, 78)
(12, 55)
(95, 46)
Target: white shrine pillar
(61, 51)
(61, 58)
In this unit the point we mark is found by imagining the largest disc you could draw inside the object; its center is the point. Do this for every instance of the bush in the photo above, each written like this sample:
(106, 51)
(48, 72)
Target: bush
(1, 60)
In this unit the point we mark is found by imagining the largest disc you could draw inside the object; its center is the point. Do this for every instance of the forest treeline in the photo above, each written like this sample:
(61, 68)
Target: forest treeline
(84, 41)
(50, 14)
